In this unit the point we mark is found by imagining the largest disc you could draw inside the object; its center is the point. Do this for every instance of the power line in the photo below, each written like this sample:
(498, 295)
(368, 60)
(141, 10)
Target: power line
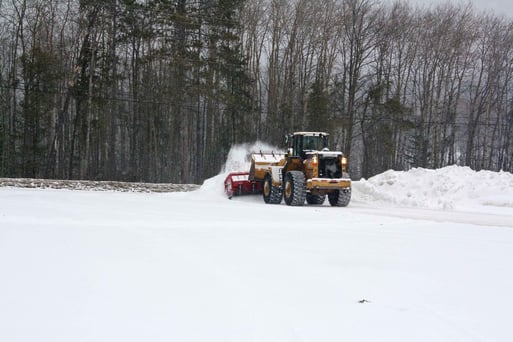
(126, 97)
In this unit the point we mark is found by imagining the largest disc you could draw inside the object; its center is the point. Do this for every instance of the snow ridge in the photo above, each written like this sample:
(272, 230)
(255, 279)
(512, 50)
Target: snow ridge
(446, 188)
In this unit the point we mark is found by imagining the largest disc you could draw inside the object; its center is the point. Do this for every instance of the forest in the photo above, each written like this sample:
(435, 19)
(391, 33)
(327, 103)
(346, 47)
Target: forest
(159, 90)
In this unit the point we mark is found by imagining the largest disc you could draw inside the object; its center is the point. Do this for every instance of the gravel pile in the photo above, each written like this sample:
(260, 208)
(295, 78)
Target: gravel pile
(96, 185)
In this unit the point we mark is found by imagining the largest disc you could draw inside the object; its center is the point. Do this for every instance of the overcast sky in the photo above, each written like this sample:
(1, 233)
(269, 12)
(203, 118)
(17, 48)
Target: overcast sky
(500, 7)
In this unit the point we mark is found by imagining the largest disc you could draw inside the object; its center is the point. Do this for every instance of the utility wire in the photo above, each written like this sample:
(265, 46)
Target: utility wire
(127, 98)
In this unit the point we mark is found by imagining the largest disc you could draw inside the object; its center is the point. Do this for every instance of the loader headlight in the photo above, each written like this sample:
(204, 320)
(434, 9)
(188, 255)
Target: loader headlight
(343, 163)
(315, 161)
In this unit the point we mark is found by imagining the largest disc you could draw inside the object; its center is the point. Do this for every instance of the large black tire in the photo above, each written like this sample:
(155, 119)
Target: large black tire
(315, 199)
(294, 188)
(272, 194)
(340, 198)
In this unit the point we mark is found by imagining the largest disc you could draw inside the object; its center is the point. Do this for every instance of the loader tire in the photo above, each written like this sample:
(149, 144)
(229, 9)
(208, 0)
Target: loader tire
(294, 188)
(340, 198)
(272, 194)
(315, 199)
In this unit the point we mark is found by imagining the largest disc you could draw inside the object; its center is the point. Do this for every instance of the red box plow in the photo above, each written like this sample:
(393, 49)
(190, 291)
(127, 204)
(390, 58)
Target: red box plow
(238, 183)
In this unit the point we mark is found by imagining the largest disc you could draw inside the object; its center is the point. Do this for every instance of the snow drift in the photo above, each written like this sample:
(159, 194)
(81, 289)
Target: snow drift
(452, 187)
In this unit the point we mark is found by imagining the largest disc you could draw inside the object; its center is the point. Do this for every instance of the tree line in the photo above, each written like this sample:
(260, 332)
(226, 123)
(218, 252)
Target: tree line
(159, 90)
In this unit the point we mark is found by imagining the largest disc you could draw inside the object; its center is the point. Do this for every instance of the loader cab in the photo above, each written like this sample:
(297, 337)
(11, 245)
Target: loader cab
(301, 142)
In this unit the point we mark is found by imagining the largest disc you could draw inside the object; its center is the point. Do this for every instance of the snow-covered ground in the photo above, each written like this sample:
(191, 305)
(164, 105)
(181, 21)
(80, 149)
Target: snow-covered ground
(424, 255)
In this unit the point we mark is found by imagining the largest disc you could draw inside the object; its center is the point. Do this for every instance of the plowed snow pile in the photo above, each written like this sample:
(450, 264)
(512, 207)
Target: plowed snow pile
(451, 187)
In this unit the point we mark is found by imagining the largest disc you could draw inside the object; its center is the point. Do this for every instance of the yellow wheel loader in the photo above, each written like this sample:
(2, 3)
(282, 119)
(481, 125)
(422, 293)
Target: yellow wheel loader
(308, 171)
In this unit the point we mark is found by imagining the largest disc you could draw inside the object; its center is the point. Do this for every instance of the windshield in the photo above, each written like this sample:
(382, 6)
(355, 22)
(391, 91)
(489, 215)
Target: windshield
(316, 143)
(302, 143)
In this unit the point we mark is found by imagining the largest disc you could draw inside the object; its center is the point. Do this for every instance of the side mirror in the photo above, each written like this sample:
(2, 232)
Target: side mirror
(288, 139)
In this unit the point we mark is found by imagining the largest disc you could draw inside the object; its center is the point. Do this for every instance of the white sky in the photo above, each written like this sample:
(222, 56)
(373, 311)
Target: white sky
(500, 7)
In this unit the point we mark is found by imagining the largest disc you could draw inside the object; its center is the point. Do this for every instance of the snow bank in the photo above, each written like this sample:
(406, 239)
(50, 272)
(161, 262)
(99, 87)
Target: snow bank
(447, 188)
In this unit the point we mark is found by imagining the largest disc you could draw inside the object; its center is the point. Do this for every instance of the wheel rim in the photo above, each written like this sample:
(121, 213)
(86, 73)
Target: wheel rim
(288, 189)
(267, 186)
